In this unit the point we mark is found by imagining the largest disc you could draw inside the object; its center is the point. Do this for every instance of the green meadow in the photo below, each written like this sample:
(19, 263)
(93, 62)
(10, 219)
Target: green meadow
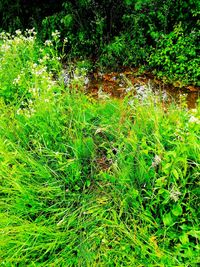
(92, 182)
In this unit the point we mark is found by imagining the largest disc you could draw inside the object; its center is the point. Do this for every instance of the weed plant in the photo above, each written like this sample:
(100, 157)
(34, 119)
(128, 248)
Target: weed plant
(86, 182)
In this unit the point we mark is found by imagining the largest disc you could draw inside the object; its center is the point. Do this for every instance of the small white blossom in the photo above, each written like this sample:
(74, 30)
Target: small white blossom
(193, 110)
(19, 111)
(65, 40)
(16, 80)
(129, 89)
(31, 31)
(55, 34)
(18, 32)
(34, 91)
(5, 47)
(86, 80)
(48, 43)
(174, 194)
(156, 161)
(131, 102)
(193, 119)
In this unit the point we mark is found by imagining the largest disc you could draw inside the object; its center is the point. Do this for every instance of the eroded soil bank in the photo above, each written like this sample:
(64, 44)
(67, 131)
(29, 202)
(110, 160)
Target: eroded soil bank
(103, 85)
(118, 84)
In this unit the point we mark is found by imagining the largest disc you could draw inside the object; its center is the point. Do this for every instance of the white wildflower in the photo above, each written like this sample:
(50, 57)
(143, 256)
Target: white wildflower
(193, 110)
(175, 193)
(33, 91)
(129, 89)
(156, 161)
(86, 80)
(19, 111)
(193, 119)
(16, 80)
(31, 31)
(39, 71)
(131, 102)
(55, 34)
(65, 40)
(30, 102)
(5, 47)
(48, 43)
(18, 32)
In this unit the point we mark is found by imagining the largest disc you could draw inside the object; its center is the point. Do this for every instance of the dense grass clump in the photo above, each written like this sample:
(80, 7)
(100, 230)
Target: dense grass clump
(87, 182)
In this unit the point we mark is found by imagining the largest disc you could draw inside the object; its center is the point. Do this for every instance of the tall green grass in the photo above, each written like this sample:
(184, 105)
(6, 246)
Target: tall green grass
(87, 182)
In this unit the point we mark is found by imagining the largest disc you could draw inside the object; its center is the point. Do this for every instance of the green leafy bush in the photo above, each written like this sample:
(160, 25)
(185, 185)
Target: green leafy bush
(175, 57)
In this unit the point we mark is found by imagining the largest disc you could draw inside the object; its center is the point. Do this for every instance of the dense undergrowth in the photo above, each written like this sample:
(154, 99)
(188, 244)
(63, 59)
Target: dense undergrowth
(161, 37)
(89, 182)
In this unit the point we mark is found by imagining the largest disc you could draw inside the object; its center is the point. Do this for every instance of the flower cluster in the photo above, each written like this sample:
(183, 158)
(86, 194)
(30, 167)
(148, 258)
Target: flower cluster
(175, 194)
(38, 70)
(56, 35)
(193, 119)
(27, 108)
(48, 43)
(156, 161)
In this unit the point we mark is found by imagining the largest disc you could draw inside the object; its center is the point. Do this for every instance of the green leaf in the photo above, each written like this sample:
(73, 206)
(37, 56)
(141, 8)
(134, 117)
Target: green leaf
(88, 183)
(160, 181)
(134, 193)
(177, 210)
(166, 168)
(167, 219)
(195, 233)
(175, 173)
(184, 239)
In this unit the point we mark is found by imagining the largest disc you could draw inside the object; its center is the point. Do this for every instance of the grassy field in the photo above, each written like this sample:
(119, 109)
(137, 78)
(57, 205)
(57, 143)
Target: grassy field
(87, 182)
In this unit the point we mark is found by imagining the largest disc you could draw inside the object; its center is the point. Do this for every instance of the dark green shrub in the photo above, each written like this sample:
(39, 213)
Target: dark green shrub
(176, 56)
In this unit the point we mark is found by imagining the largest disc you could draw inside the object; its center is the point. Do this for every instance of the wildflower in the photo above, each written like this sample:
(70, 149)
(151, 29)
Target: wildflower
(174, 194)
(48, 43)
(129, 89)
(18, 32)
(16, 80)
(194, 110)
(39, 71)
(156, 161)
(193, 119)
(19, 111)
(131, 102)
(3, 35)
(31, 31)
(86, 80)
(32, 111)
(56, 34)
(65, 40)
(30, 102)
(5, 47)
(33, 91)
